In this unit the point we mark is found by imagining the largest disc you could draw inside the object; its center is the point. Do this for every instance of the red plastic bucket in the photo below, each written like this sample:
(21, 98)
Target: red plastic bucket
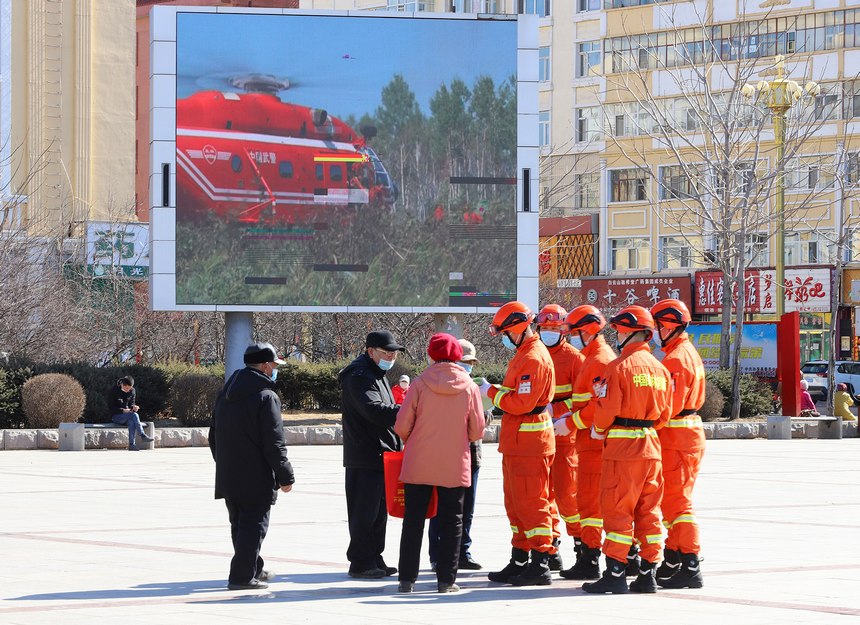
(395, 500)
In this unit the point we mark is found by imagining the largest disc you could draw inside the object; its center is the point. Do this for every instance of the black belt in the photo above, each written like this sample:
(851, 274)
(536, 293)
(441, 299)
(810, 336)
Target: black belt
(537, 409)
(633, 423)
(687, 412)
(559, 401)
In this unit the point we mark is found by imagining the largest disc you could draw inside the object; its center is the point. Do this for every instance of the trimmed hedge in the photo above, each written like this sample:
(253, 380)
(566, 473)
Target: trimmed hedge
(192, 397)
(51, 399)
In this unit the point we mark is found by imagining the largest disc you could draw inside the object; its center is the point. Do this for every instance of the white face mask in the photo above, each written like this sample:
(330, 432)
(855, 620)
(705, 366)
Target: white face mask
(550, 338)
(576, 342)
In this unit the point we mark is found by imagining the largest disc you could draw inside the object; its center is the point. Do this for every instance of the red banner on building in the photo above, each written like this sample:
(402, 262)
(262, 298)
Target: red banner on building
(807, 289)
(609, 294)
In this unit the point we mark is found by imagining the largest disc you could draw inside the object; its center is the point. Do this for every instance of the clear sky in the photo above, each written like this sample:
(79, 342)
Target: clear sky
(341, 63)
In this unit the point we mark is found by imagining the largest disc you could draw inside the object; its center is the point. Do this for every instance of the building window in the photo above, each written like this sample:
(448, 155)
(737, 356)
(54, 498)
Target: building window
(538, 7)
(588, 5)
(587, 126)
(543, 129)
(679, 182)
(675, 253)
(587, 191)
(544, 74)
(807, 248)
(755, 251)
(826, 107)
(588, 59)
(627, 185)
(618, 4)
(406, 5)
(629, 254)
(808, 173)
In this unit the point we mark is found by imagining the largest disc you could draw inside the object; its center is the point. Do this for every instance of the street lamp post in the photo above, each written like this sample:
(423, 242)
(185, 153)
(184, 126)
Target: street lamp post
(781, 94)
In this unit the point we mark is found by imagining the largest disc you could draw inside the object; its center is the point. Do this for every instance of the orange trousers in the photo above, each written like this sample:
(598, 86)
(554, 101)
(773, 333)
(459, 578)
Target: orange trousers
(588, 496)
(630, 494)
(525, 480)
(680, 469)
(562, 492)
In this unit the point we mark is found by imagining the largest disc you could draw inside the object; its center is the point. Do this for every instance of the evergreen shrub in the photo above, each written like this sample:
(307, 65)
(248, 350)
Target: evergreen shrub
(192, 397)
(755, 396)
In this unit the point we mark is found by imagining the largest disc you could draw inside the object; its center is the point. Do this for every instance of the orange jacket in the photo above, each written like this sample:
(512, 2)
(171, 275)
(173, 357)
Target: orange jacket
(529, 383)
(636, 386)
(684, 430)
(597, 355)
(567, 361)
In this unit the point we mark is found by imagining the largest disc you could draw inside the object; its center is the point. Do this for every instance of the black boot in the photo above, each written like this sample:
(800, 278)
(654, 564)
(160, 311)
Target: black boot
(555, 563)
(671, 564)
(612, 582)
(536, 573)
(587, 564)
(689, 575)
(519, 560)
(645, 581)
(633, 560)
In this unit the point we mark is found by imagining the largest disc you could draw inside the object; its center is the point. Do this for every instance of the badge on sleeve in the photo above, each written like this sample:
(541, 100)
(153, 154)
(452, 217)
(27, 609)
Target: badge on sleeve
(525, 385)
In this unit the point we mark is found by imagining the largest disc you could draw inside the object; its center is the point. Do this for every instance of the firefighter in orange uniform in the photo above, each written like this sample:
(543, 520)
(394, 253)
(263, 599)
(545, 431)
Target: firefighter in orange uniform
(683, 444)
(634, 400)
(584, 324)
(567, 362)
(527, 445)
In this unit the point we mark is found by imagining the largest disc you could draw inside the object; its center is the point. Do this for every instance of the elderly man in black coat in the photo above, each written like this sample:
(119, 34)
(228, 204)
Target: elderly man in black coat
(247, 443)
(369, 413)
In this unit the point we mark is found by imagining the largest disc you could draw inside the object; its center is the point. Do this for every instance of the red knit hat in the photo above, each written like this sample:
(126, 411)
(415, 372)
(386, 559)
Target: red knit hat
(444, 347)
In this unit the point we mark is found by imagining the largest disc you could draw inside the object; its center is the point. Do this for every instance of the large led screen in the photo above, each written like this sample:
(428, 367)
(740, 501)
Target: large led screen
(334, 160)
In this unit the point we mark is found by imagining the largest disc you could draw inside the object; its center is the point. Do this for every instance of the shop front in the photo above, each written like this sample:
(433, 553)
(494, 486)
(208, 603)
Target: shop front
(612, 294)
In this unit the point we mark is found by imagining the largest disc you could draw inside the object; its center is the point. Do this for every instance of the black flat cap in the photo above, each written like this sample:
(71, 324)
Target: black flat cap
(262, 352)
(383, 339)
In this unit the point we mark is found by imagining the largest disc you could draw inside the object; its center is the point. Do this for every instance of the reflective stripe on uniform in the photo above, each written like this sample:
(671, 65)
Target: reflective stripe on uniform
(653, 539)
(515, 529)
(538, 426)
(563, 388)
(693, 421)
(619, 538)
(581, 396)
(684, 518)
(578, 422)
(570, 519)
(538, 531)
(591, 522)
(503, 390)
(638, 433)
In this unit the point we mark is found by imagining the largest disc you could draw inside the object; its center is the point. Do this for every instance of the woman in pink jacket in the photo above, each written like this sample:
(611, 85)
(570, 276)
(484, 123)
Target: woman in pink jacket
(441, 414)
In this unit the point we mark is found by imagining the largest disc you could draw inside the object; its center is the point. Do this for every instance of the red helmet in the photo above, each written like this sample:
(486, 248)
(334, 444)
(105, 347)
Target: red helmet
(512, 317)
(551, 316)
(632, 319)
(671, 311)
(586, 318)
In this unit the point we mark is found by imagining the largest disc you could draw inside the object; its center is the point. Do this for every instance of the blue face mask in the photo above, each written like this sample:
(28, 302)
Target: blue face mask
(550, 338)
(385, 365)
(506, 341)
(466, 367)
(577, 342)
(274, 374)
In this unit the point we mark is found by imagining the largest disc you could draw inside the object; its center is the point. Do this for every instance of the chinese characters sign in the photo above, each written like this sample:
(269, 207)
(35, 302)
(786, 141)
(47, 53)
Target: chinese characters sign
(120, 249)
(807, 289)
(758, 347)
(615, 293)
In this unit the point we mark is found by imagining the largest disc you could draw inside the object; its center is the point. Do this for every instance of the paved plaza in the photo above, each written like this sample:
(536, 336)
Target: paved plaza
(136, 538)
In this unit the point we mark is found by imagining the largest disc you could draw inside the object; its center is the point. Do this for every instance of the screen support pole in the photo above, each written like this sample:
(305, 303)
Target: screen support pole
(238, 334)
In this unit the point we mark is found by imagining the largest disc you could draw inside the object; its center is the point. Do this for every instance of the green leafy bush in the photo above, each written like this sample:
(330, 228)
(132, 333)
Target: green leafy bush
(192, 397)
(712, 409)
(52, 398)
(755, 396)
(11, 381)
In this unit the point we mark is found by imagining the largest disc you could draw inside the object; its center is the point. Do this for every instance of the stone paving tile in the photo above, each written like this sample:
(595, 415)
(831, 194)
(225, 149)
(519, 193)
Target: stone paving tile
(133, 538)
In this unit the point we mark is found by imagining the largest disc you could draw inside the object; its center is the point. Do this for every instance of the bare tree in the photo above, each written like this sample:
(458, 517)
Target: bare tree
(678, 112)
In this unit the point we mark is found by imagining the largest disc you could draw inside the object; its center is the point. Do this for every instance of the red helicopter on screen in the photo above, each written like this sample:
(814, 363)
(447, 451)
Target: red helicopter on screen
(248, 156)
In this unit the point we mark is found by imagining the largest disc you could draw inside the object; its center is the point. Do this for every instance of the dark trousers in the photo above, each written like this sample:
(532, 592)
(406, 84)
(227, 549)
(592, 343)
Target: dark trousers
(449, 517)
(468, 515)
(248, 527)
(365, 509)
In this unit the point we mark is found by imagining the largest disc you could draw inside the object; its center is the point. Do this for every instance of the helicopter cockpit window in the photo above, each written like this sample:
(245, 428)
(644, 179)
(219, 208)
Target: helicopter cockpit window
(285, 169)
(382, 179)
(318, 170)
(236, 163)
(335, 173)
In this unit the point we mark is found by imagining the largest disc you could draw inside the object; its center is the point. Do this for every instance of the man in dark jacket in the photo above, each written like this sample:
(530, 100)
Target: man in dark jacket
(247, 443)
(369, 413)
